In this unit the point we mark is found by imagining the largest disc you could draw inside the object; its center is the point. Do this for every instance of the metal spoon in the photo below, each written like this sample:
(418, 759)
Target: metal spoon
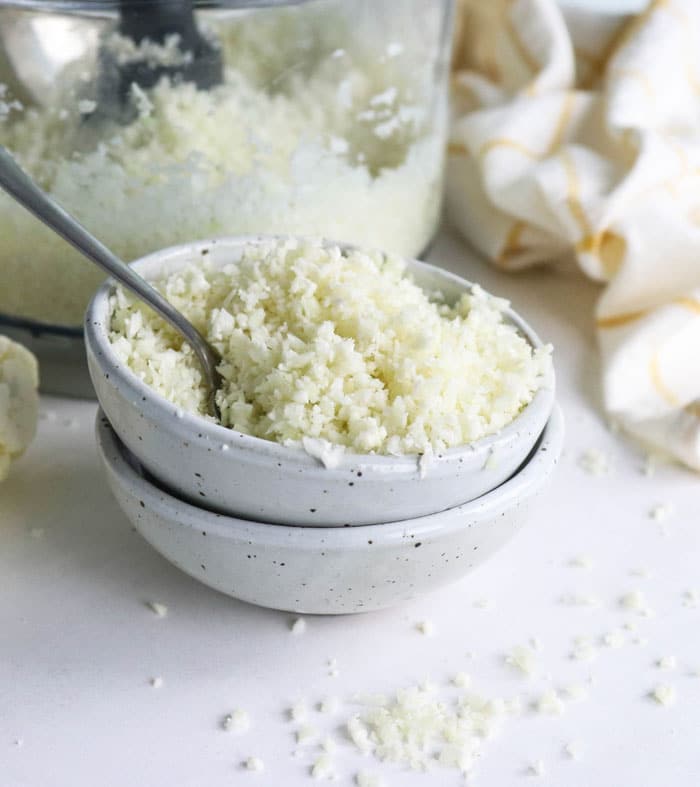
(19, 185)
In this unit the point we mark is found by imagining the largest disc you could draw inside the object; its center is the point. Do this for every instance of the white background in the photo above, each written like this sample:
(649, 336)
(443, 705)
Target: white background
(78, 645)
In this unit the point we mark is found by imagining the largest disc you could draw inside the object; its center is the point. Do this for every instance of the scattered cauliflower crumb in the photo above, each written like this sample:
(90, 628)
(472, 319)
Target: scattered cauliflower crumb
(660, 512)
(238, 721)
(298, 711)
(306, 734)
(573, 750)
(328, 744)
(158, 609)
(583, 649)
(581, 561)
(157, 682)
(359, 734)
(634, 601)
(550, 703)
(691, 598)
(614, 639)
(333, 670)
(426, 628)
(595, 462)
(329, 705)
(536, 768)
(461, 680)
(254, 764)
(666, 663)
(523, 659)
(298, 626)
(664, 694)
(417, 729)
(323, 767)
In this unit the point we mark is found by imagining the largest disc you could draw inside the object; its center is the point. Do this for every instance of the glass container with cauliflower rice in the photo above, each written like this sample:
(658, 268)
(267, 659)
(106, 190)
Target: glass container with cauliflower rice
(324, 117)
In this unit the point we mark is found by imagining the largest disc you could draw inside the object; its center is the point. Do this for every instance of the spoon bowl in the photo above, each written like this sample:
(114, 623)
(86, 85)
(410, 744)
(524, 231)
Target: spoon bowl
(232, 473)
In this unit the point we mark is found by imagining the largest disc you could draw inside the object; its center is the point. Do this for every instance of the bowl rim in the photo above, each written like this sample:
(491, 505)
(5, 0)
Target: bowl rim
(128, 473)
(192, 426)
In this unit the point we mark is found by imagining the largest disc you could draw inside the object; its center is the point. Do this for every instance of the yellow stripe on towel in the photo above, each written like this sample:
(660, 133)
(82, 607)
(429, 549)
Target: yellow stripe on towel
(661, 388)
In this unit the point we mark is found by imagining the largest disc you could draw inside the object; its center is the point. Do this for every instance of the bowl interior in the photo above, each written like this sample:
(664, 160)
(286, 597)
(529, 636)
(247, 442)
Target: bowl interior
(224, 251)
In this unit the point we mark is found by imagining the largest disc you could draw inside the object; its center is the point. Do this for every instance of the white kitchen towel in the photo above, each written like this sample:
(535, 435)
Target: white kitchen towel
(577, 133)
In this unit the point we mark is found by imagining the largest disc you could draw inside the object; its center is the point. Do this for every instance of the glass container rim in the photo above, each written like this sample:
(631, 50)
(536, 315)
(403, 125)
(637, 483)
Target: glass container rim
(98, 7)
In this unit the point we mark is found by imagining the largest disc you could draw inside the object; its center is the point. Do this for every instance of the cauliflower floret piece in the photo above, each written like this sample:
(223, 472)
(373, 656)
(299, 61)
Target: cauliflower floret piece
(19, 401)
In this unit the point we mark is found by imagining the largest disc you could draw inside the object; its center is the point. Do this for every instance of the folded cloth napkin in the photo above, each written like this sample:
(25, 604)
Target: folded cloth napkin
(576, 133)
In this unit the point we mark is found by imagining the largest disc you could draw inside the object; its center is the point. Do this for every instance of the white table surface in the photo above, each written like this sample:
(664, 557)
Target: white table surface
(78, 644)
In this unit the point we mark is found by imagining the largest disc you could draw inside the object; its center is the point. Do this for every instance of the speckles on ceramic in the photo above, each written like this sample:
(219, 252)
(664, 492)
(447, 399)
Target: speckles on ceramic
(261, 480)
(327, 570)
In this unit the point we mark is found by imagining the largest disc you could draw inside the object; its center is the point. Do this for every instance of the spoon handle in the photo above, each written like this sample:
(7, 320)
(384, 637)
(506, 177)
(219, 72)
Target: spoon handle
(16, 182)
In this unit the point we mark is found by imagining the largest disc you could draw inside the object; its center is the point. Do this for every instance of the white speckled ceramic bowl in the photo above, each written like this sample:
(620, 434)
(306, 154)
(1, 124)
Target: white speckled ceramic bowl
(327, 570)
(265, 481)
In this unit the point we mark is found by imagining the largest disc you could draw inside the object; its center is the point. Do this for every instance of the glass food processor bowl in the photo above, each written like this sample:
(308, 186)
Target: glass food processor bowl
(320, 117)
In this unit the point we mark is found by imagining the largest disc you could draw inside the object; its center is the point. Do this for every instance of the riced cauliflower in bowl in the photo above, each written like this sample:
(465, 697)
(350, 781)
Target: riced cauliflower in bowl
(358, 388)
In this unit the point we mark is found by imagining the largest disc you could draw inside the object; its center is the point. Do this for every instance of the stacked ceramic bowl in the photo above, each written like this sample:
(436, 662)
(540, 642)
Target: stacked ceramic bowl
(272, 524)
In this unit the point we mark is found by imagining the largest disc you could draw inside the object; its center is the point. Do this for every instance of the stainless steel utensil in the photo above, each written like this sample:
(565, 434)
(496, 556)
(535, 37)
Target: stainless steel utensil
(19, 185)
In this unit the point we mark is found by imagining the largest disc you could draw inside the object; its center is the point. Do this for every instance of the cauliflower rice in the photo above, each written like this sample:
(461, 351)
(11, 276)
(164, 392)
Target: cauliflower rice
(337, 345)
(321, 126)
